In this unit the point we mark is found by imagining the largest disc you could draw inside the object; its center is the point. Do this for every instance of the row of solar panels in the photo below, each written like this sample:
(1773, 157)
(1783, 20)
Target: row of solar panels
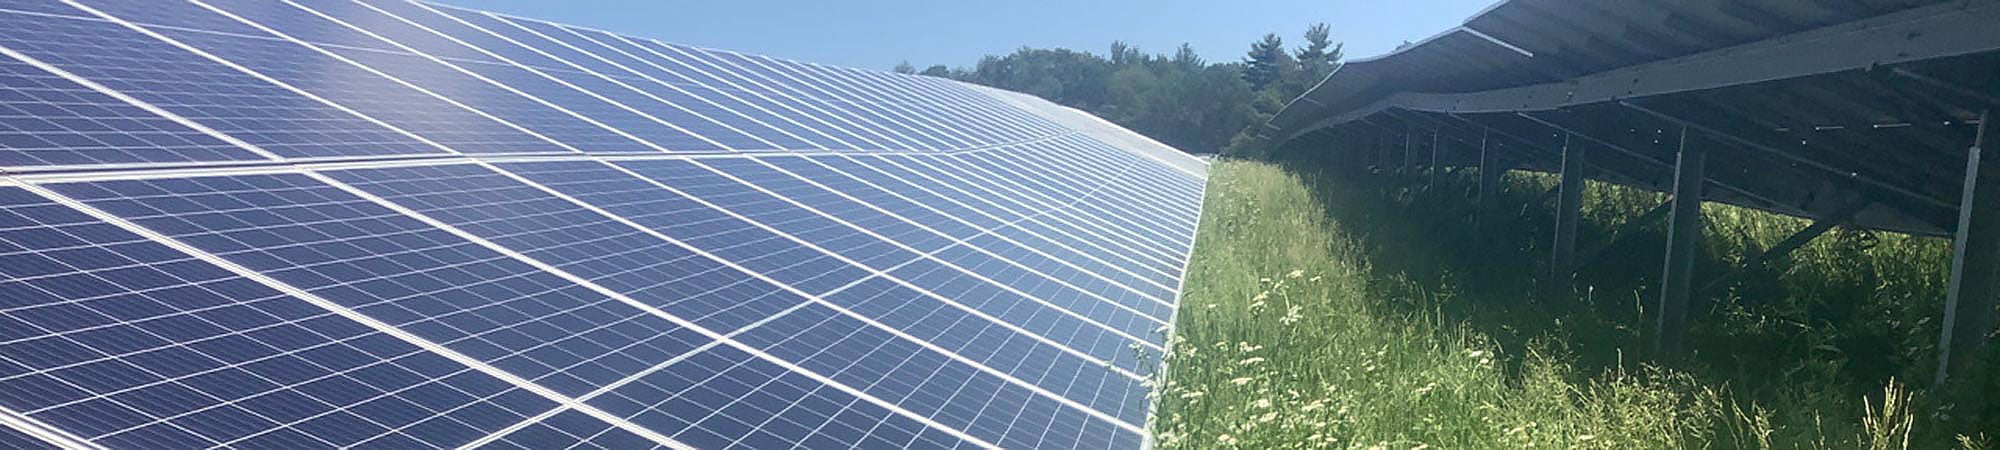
(278, 224)
(329, 79)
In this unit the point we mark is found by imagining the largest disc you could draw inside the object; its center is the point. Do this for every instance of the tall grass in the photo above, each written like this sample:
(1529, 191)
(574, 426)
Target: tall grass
(1319, 314)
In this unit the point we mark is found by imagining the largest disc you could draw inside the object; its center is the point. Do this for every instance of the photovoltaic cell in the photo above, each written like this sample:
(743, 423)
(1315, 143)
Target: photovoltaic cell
(861, 259)
(929, 383)
(771, 210)
(676, 216)
(47, 120)
(128, 343)
(725, 398)
(207, 92)
(395, 269)
(582, 242)
(12, 439)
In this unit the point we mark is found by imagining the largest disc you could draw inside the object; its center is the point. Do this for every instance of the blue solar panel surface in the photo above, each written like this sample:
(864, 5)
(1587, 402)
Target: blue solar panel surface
(385, 224)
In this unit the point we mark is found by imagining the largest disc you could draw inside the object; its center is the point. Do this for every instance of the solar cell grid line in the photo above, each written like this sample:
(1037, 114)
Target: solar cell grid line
(891, 330)
(626, 55)
(1059, 213)
(728, 340)
(952, 392)
(358, 88)
(937, 251)
(1025, 194)
(946, 117)
(1003, 199)
(454, 83)
(763, 196)
(950, 137)
(792, 93)
(271, 116)
(399, 271)
(1113, 347)
(1128, 207)
(727, 398)
(1041, 184)
(568, 430)
(1141, 279)
(731, 108)
(635, 199)
(18, 432)
(1181, 185)
(1152, 195)
(642, 116)
(543, 226)
(13, 439)
(833, 203)
(831, 96)
(1066, 178)
(718, 191)
(1117, 393)
(934, 210)
(934, 194)
(134, 343)
(1007, 128)
(46, 119)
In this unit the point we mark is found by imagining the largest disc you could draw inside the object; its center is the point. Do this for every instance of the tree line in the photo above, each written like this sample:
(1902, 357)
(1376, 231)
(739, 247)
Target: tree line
(1179, 99)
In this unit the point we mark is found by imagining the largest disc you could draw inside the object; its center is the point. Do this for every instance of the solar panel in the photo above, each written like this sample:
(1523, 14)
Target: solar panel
(375, 223)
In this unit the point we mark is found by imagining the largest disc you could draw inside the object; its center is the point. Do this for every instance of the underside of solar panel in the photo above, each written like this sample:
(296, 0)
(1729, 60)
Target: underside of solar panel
(384, 224)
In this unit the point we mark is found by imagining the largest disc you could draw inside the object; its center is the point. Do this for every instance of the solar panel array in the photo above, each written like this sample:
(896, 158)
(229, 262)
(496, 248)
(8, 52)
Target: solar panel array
(374, 223)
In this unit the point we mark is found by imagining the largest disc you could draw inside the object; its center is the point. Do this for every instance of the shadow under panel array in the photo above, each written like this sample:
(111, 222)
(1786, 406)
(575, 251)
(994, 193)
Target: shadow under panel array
(385, 224)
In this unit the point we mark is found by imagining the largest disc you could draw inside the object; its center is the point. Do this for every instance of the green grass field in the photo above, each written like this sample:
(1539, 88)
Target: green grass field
(1324, 314)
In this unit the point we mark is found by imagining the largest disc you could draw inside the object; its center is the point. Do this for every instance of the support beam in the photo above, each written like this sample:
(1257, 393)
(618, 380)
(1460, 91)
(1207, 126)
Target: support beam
(1485, 210)
(1437, 155)
(1569, 207)
(1683, 235)
(1783, 248)
(1969, 302)
(1409, 150)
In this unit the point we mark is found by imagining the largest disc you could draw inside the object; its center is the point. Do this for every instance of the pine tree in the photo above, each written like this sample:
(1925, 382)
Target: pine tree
(1268, 62)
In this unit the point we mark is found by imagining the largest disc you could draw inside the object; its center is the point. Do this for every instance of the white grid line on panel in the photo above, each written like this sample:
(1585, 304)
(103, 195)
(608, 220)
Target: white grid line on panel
(372, 70)
(796, 85)
(38, 430)
(957, 240)
(906, 247)
(1146, 220)
(141, 104)
(336, 308)
(524, 67)
(908, 117)
(1147, 236)
(584, 52)
(926, 118)
(1024, 195)
(1011, 195)
(724, 338)
(871, 127)
(455, 67)
(253, 73)
(959, 184)
(926, 344)
(857, 264)
(921, 226)
(996, 215)
(656, 66)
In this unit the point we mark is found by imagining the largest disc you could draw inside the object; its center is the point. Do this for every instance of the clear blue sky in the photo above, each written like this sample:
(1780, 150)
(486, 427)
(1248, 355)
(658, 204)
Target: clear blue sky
(877, 34)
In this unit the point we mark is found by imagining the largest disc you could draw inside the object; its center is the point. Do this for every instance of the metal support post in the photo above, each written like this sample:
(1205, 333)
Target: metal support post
(1485, 211)
(1437, 153)
(1569, 207)
(1970, 300)
(1683, 233)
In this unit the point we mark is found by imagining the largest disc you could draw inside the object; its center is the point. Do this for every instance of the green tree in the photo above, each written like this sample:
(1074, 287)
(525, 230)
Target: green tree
(1318, 58)
(1268, 62)
(939, 71)
(905, 68)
